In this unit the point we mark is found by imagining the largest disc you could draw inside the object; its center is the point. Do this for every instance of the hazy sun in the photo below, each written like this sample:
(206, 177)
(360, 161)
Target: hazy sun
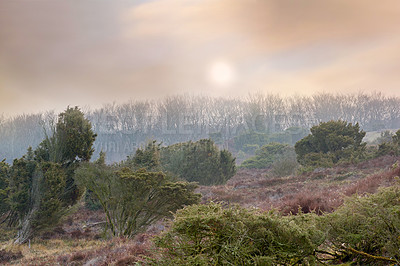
(221, 73)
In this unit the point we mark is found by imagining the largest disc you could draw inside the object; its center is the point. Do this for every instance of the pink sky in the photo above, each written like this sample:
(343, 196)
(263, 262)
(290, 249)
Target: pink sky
(59, 53)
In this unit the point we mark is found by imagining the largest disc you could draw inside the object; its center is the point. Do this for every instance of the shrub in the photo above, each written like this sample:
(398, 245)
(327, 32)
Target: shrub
(199, 161)
(329, 143)
(131, 200)
(247, 141)
(366, 229)
(213, 235)
(269, 154)
(389, 146)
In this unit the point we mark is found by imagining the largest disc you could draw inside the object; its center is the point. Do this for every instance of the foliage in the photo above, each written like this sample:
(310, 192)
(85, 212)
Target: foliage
(329, 143)
(199, 161)
(284, 166)
(20, 184)
(270, 155)
(51, 206)
(4, 179)
(147, 157)
(389, 146)
(213, 235)
(41, 187)
(132, 200)
(71, 141)
(249, 142)
(366, 229)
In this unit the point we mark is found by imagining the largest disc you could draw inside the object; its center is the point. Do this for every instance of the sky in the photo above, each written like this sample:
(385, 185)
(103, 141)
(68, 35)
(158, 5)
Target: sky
(90, 52)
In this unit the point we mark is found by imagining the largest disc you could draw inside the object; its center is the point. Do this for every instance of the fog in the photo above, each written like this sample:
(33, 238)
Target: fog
(86, 53)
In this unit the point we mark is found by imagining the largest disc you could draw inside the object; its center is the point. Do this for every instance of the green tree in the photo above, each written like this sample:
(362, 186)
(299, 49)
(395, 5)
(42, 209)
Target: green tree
(333, 141)
(41, 184)
(4, 180)
(133, 200)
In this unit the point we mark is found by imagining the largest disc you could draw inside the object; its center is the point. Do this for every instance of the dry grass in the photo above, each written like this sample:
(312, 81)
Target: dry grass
(115, 251)
(322, 190)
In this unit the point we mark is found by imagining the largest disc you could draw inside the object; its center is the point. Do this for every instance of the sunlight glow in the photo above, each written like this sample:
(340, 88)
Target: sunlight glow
(221, 73)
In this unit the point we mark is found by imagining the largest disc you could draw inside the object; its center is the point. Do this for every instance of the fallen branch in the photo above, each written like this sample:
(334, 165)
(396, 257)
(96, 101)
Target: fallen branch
(379, 258)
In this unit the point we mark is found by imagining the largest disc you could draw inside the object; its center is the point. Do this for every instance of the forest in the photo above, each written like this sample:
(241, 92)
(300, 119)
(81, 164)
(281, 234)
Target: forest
(122, 128)
(267, 180)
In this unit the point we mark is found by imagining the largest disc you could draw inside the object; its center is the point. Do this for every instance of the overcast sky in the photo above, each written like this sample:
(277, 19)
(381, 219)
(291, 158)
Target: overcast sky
(89, 52)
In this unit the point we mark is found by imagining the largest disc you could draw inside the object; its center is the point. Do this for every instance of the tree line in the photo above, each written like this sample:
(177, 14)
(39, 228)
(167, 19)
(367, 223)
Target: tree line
(122, 128)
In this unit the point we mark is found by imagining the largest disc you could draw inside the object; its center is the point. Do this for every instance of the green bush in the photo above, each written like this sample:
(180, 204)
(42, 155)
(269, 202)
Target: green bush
(273, 155)
(213, 235)
(389, 146)
(248, 141)
(133, 200)
(199, 161)
(331, 142)
(366, 229)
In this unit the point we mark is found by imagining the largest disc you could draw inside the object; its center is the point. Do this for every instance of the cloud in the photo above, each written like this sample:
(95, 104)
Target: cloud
(55, 53)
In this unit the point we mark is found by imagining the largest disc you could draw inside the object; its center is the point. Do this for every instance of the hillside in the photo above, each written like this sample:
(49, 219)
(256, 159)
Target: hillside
(79, 241)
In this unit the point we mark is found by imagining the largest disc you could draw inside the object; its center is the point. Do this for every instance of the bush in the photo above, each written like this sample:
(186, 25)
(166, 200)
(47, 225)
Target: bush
(199, 161)
(133, 200)
(366, 229)
(389, 146)
(213, 235)
(329, 143)
(248, 141)
(270, 155)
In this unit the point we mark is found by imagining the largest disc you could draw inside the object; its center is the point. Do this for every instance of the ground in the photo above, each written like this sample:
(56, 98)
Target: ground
(80, 239)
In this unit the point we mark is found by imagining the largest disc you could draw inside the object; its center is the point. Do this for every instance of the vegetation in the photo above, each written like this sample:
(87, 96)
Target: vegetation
(329, 143)
(390, 144)
(344, 211)
(213, 235)
(280, 157)
(133, 200)
(366, 229)
(121, 128)
(199, 161)
(38, 189)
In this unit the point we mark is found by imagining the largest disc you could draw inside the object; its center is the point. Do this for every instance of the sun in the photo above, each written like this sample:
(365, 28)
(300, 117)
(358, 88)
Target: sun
(221, 73)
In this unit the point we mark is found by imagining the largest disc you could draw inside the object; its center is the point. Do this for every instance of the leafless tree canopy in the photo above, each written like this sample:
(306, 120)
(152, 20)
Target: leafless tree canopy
(121, 128)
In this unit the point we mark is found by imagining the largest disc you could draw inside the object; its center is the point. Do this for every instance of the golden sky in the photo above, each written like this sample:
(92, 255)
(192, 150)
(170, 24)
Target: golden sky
(59, 53)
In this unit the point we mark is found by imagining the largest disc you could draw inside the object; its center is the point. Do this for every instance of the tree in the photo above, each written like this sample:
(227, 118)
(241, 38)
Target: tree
(4, 179)
(72, 139)
(41, 186)
(133, 200)
(332, 141)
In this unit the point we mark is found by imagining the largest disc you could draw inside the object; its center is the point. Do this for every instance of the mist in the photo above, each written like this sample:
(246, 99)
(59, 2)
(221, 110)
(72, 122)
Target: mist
(59, 53)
